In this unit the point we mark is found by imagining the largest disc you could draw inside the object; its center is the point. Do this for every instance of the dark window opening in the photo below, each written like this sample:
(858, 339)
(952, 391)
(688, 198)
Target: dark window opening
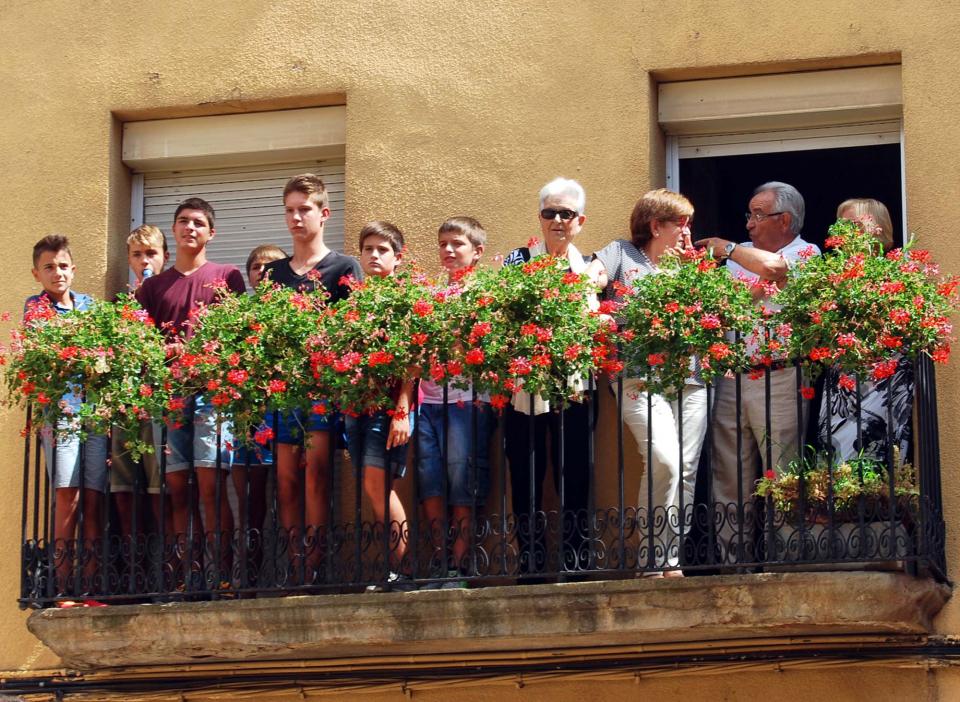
(721, 186)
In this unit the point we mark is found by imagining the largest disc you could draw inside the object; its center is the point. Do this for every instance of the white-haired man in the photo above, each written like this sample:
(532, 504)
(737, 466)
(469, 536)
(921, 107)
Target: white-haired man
(744, 434)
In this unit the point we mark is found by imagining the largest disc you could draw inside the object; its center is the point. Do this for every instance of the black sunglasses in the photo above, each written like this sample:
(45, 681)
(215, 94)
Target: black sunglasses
(551, 213)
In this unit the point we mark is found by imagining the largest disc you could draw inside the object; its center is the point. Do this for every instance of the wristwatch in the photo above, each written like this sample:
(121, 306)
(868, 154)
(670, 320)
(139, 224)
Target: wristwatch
(728, 249)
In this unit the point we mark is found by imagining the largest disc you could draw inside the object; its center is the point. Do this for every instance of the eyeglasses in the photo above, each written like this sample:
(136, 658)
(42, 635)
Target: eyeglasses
(551, 213)
(760, 216)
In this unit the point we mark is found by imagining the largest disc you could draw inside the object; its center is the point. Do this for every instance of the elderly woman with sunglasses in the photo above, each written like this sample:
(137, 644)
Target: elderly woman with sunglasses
(660, 223)
(529, 419)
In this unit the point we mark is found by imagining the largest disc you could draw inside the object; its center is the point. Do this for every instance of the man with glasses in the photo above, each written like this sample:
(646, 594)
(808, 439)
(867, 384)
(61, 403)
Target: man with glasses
(745, 434)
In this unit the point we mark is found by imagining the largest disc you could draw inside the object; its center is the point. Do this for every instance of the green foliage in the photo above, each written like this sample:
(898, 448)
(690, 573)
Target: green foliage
(527, 327)
(247, 356)
(90, 371)
(682, 313)
(858, 310)
(385, 331)
(849, 480)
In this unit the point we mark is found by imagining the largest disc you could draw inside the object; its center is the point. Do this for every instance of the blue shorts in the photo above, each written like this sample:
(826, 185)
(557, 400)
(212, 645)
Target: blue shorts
(259, 454)
(294, 427)
(463, 467)
(196, 439)
(367, 443)
(67, 450)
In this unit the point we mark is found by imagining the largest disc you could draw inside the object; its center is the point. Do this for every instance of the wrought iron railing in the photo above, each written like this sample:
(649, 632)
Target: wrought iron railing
(592, 525)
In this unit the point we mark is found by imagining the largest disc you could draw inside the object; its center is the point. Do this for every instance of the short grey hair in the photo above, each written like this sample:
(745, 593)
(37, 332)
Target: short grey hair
(564, 186)
(786, 198)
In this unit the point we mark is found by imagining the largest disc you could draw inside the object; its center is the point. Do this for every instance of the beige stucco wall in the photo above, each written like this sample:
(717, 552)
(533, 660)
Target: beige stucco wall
(452, 107)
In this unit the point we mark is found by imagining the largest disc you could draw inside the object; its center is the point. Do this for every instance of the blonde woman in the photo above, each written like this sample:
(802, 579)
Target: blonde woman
(879, 402)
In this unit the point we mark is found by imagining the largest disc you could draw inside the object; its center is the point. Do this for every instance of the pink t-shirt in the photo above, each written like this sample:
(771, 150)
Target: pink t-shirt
(171, 296)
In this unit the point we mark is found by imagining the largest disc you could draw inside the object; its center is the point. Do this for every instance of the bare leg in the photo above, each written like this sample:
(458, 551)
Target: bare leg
(318, 474)
(374, 485)
(178, 488)
(217, 534)
(461, 519)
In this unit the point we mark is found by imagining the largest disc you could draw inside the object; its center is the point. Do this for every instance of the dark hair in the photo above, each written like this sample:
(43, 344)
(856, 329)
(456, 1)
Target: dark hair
(196, 203)
(383, 229)
(311, 185)
(656, 206)
(53, 243)
(468, 226)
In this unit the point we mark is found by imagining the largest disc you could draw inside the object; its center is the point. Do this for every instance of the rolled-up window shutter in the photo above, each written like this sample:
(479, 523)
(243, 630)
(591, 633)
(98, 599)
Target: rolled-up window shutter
(248, 201)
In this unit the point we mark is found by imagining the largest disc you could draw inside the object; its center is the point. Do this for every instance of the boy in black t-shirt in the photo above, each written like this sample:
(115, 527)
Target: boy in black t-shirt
(306, 207)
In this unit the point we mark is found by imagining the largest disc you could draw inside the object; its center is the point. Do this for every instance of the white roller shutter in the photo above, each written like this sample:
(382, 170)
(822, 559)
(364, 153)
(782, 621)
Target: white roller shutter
(248, 201)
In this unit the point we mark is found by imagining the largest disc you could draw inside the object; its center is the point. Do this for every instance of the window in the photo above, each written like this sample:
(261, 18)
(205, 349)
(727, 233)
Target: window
(832, 134)
(239, 164)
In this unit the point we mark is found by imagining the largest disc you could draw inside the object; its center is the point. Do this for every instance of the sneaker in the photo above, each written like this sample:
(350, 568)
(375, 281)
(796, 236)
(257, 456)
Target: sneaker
(457, 584)
(396, 582)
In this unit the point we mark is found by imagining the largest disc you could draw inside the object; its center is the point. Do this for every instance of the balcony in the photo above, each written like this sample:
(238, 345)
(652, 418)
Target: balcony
(587, 570)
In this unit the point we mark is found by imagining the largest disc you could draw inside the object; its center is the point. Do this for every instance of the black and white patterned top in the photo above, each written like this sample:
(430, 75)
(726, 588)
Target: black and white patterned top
(838, 417)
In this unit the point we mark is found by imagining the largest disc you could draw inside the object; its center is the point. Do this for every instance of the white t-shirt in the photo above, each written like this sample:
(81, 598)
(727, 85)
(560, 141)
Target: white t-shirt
(796, 251)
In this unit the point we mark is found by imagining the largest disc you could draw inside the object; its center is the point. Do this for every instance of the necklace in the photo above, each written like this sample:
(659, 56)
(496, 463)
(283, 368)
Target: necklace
(646, 259)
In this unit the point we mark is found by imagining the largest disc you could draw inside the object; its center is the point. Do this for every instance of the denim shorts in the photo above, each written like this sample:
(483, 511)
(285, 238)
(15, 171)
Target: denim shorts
(67, 449)
(196, 439)
(367, 443)
(461, 470)
(295, 426)
(259, 454)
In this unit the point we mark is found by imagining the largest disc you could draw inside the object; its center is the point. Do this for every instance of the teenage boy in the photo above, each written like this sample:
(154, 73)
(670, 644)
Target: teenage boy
(258, 259)
(312, 266)
(170, 298)
(378, 442)
(53, 268)
(147, 254)
(250, 464)
(460, 241)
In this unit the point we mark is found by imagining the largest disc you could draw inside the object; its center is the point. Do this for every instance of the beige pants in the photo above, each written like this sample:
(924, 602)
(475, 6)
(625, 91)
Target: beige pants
(735, 481)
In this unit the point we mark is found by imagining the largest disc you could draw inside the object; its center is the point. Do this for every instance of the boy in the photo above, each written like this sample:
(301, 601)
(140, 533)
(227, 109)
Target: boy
(461, 241)
(307, 208)
(378, 442)
(258, 260)
(147, 254)
(170, 298)
(251, 485)
(53, 268)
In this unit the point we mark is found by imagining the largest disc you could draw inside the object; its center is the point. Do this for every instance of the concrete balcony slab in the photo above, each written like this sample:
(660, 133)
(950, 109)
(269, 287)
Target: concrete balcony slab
(494, 619)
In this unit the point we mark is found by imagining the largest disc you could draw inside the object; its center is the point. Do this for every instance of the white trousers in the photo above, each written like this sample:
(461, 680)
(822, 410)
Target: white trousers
(677, 428)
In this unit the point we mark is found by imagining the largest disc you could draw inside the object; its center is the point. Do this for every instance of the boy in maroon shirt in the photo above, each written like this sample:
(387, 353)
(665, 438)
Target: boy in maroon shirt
(169, 298)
